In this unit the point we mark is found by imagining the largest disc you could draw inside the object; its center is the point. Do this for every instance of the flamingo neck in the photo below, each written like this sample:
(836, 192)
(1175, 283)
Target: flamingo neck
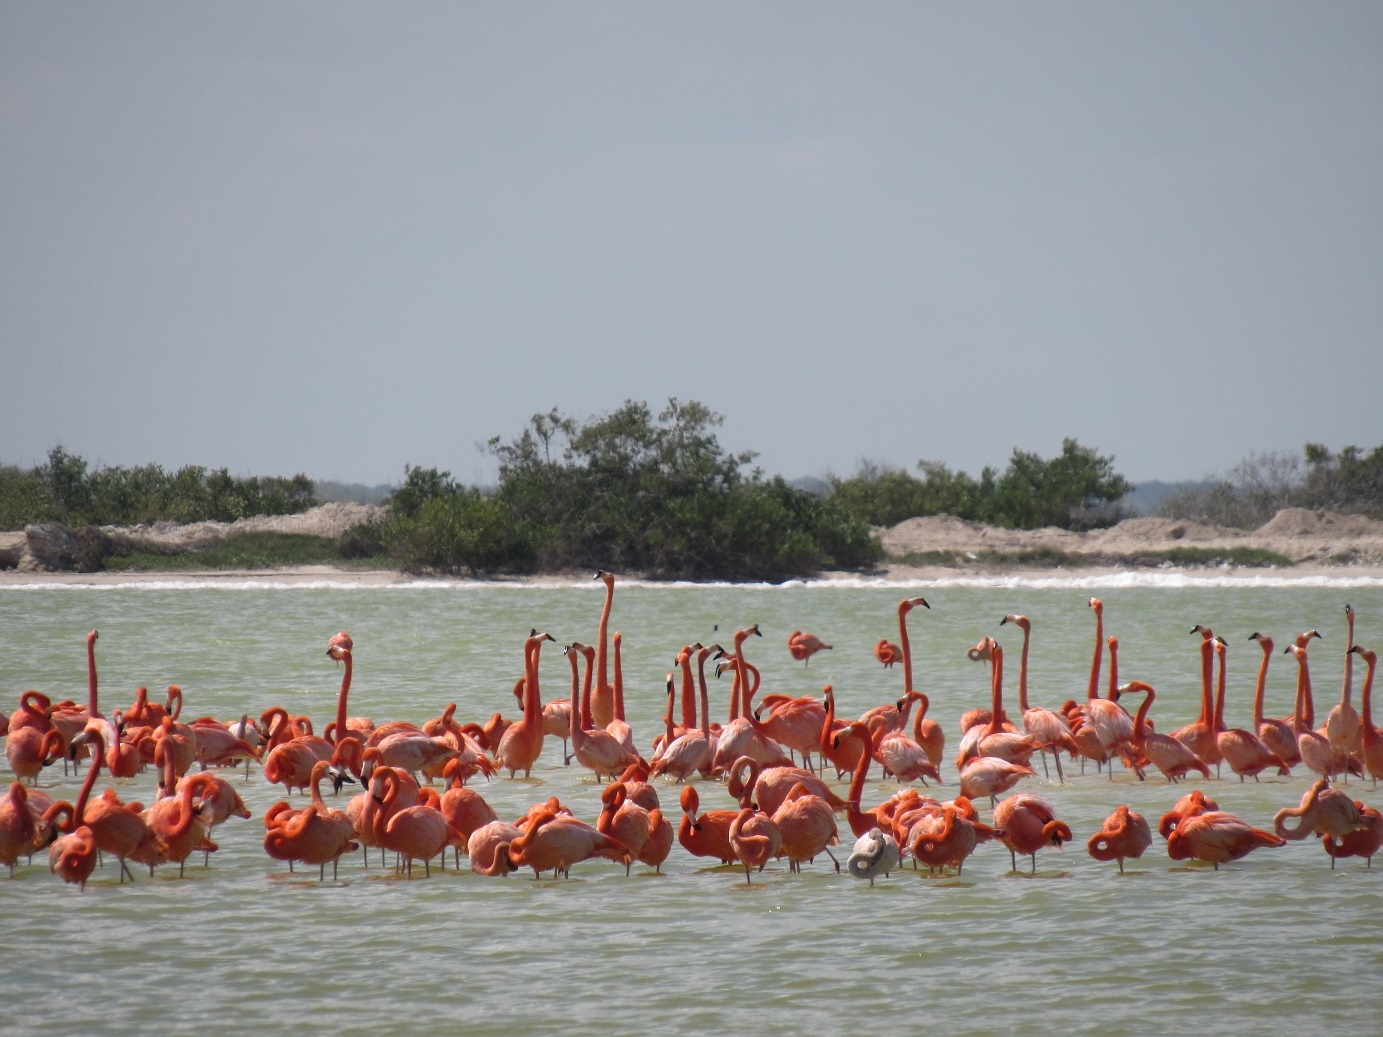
(1023, 673)
(1262, 685)
(603, 646)
(587, 720)
(1366, 699)
(340, 731)
(704, 694)
(903, 611)
(1207, 660)
(1094, 690)
(98, 752)
(532, 701)
(688, 703)
(996, 661)
(1219, 723)
(91, 709)
(619, 682)
(1347, 688)
(1139, 722)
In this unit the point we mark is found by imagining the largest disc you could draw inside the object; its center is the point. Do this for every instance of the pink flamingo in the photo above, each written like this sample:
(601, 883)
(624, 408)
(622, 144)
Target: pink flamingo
(1029, 823)
(1370, 738)
(1048, 727)
(804, 646)
(1242, 750)
(594, 748)
(705, 834)
(603, 698)
(1217, 837)
(807, 826)
(1172, 757)
(1125, 834)
(522, 741)
(1277, 735)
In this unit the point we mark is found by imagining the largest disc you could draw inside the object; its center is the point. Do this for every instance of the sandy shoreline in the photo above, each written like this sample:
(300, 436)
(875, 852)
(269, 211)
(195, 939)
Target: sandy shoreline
(333, 576)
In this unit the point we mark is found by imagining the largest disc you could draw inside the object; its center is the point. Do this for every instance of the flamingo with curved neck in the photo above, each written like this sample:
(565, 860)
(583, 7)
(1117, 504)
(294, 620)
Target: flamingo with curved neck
(522, 741)
(1276, 734)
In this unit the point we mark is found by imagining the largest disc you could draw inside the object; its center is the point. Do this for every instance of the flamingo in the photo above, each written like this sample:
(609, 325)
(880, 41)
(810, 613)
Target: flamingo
(1342, 724)
(1172, 757)
(176, 826)
(887, 653)
(1315, 748)
(794, 722)
(1362, 842)
(1217, 837)
(705, 834)
(317, 834)
(744, 735)
(594, 748)
(769, 786)
(691, 751)
(30, 750)
(1370, 738)
(414, 832)
(488, 848)
(991, 739)
(1242, 750)
(1125, 834)
(1194, 802)
(619, 728)
(755, 840)
(841, 752)
(73, 857)
(1324, 810)
(624, 821)
(1277, 735)
(1029, 823)
(1094, 727)
(906, 758)
(987, 776)
(554, 842)
(602, 707)
(523, 739)
(945, 836)
(17, 826)
(1048, 727)
(875, 851)
(118, 828)
(804, 646)
(807, 826)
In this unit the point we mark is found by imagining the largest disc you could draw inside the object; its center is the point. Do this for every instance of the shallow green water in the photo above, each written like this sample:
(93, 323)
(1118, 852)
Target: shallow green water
(1274, 943)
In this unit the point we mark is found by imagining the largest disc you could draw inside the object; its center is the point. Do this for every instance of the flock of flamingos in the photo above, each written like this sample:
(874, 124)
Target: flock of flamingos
(784, 811)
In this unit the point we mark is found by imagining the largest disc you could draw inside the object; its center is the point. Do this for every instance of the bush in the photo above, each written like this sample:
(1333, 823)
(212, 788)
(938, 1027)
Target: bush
(1077, 489)
(65, 490)
(623, 491)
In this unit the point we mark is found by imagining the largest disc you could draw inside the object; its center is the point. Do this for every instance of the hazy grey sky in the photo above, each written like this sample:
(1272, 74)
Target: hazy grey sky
(336, 238)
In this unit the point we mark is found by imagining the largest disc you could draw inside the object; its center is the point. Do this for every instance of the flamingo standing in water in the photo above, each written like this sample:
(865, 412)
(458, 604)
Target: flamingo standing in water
(708, 834)
(1194, 802)
(1324, 810)
(1370, 737)
(991, 739)
(522, 741)
(755, 840)
(807, 826)
(316, 835)
(1342, 724)
(17, 826)
(1029, 823)
(1172, 757)
(887, 653)
(1315, 748)
(594, 748)
(1277, 735)
(692, 750)
(1125, 834)
(804, 646)
(1362, 842)
(875, 851)
(554, 842)
(623, 820)
(1217, 837)
(744, 735)
(1242, 750)
(1048, 727)
(603, 697)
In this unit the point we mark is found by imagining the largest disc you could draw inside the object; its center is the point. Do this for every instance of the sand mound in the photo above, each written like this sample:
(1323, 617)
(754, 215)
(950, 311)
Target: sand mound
(326, 520)
(1302, 522)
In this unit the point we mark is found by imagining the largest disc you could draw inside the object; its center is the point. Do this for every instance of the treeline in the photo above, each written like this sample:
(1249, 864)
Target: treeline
(1077, 489)
(68, 490)
(628, 491)
(1261, 485)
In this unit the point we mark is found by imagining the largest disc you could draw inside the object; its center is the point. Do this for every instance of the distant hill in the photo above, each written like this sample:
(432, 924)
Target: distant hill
(351, 492)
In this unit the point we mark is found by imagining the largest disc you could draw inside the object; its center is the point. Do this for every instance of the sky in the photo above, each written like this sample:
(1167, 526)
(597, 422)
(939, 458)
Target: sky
(340, 238)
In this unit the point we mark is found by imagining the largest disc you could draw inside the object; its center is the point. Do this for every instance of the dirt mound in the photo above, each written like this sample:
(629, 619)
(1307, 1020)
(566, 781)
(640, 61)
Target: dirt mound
(1303, 522)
